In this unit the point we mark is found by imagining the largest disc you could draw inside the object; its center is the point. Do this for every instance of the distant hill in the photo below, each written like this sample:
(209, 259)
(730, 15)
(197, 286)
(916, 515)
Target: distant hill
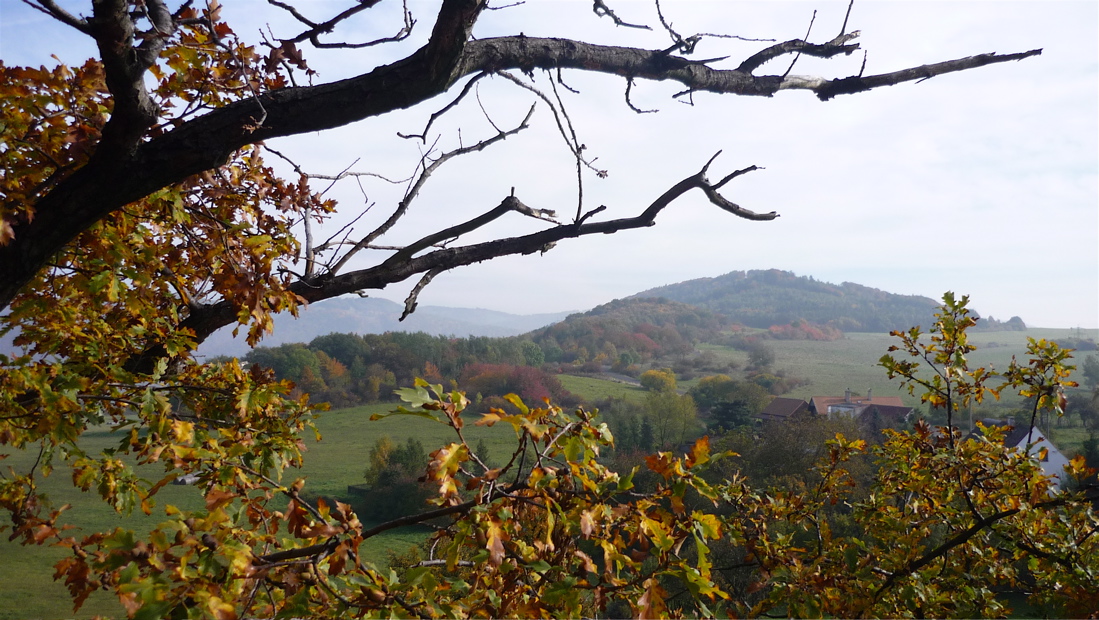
(628, 331)
(370, 315)
(773, 297)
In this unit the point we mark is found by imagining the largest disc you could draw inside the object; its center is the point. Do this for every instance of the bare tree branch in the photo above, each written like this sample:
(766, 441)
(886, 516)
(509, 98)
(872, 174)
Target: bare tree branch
(629, 87)
(49, 7)
(435, 115)
(414, 189)
(847, 16)
(827, 50)
(601, 9)
(411, 301)
(315, 30)
(828, 89)
(205, 320)
(127, 167)
(808, 31)
(685, 45)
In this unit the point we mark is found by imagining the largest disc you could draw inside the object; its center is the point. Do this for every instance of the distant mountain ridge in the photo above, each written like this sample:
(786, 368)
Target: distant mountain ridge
(372, 315)
(774, 297)
(754, 298)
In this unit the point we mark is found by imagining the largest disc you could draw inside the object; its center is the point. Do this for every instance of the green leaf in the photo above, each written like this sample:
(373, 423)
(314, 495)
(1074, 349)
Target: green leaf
(540, 566)
(411, 412)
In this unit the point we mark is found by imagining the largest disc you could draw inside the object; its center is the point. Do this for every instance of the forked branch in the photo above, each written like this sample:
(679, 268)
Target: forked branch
(406, 264)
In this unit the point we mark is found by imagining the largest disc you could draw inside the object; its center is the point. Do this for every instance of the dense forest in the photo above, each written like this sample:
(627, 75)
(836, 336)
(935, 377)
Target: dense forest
(625, 332)
(773, 297)
(626, 336)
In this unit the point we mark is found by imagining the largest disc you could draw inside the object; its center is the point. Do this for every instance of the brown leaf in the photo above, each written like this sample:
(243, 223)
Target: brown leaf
(216, 499)
(587, 524)
(6, 232)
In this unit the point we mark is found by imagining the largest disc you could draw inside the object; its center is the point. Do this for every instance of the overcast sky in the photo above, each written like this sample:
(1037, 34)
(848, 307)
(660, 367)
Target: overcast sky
(982, 182)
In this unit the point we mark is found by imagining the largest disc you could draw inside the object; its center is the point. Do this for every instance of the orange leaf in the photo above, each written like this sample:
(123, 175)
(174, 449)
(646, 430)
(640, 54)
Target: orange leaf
(216, 499)
(700, 452)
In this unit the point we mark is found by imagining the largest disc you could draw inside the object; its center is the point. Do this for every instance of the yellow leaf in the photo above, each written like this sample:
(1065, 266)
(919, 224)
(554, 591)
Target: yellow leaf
(184, 431)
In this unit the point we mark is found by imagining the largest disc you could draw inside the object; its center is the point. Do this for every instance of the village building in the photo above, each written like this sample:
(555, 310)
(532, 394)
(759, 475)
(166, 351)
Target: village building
(784, 409)
(870, 412)
(1053, 460)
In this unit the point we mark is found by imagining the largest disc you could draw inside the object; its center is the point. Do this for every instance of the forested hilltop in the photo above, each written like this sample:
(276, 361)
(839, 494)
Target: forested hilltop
(764, 298)
(629, 331)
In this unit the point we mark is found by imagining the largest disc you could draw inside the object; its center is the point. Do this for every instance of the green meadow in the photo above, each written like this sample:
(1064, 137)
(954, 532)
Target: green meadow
(852, 362)
(593, 389)
(27, 589)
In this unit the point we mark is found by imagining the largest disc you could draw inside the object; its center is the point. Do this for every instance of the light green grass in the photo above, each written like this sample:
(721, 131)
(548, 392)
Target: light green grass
(27, 589)
(853, 361)
(591, 389)
(347, 435)
(1070, 441)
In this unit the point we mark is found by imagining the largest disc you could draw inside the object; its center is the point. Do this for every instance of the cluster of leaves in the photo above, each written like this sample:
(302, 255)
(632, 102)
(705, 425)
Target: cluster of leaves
(51, 118)
(204, 236)
(87, 322)
(569, 537)
(658, 380)
(392, 487)
(728, 403)
(938, 368)
(944, 526)
(101, 338)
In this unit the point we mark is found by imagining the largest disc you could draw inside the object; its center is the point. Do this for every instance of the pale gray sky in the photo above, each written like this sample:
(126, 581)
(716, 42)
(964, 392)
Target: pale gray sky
(982, 182)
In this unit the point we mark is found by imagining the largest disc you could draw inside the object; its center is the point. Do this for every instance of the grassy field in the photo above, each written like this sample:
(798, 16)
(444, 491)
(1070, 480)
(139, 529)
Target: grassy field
(27, 589)
(592, 389)
(853, 363)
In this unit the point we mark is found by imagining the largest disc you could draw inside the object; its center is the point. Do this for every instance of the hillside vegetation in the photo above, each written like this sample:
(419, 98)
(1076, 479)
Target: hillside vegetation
(773, 297)
(629, 331)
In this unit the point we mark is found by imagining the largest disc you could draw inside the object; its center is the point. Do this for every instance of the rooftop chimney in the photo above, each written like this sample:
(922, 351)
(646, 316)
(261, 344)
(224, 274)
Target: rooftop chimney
(847, 395)
(869, 394)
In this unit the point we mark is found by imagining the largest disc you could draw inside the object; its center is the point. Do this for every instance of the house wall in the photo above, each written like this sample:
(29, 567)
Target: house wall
(1055, 462)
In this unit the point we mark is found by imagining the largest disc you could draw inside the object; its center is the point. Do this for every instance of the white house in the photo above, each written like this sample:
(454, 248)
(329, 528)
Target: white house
(1054, 462)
